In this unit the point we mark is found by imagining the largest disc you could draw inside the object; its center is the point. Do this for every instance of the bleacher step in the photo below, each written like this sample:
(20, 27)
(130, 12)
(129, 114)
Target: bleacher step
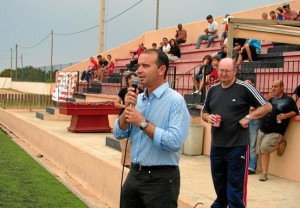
(113, 143)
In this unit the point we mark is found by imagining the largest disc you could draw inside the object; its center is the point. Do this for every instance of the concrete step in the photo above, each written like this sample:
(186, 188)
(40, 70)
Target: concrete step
(52, 117)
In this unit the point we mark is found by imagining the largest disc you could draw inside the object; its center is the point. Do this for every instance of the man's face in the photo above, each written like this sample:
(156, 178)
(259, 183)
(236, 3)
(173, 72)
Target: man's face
(148, 70)
(226, 71)
(165, 41)
(215, 62)
(277, 90)
(179, 27)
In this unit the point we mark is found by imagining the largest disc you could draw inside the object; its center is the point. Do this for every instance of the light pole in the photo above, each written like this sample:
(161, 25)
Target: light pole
(157, 14)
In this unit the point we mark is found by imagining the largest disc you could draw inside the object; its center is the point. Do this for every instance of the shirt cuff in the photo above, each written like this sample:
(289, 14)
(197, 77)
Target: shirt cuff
(158, 137)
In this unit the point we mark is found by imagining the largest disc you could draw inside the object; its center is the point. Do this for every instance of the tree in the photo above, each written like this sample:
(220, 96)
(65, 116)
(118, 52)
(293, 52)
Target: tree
(5, 73)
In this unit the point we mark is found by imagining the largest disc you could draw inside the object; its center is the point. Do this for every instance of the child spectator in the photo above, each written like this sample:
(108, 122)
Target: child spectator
(273, 15)
(213, 77)
(174, 53)
(264, 15)
(249, 51)
(279, 12)
(154, 45)
(204, 70)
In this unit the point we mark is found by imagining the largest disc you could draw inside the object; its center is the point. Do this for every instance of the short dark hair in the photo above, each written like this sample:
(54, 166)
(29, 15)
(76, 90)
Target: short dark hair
(209, 17)
(128, 76)
(162, 58)
(209, 58)
(216, 57)
(99, 56)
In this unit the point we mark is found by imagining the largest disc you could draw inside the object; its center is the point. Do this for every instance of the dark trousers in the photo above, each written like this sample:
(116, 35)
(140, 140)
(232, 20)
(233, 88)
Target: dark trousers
(179, 41)
(151, 189)
(229, 168)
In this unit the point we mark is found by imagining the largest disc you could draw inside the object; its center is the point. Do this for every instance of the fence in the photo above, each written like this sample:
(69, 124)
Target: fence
(25, 101)
(262, 73)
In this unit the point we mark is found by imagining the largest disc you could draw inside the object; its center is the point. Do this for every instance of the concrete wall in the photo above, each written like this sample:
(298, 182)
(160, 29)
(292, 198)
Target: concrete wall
(32, 87)
(5, 82)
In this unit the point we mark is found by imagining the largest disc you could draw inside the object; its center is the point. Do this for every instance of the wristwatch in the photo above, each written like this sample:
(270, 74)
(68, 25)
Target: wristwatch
(248, 117)
(144, 124)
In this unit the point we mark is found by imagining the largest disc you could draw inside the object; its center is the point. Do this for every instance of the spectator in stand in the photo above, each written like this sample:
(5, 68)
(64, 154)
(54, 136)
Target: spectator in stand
(224, 33)
(213, 77)
(211, 32)
(180, 35)
(253, 130)
(174, 53)
(90, 72)
(264, 16)
(204, 70)
(154, 45)
(279, 12)
(249, 51)
(161, 46)
(102, 69)
(273, 15)
(111, 64)
(120, 103)
(166, 46)
(136, 55)
(231, 100)
(274, 125)
(289, 14)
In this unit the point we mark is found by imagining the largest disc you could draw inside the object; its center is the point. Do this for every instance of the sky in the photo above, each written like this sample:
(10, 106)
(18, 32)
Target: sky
(28, 24)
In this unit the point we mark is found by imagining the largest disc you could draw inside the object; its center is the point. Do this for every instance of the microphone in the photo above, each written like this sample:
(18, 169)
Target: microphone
(135, 84)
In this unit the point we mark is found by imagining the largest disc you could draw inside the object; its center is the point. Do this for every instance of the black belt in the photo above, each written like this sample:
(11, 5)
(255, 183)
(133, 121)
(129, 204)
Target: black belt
(137, 166)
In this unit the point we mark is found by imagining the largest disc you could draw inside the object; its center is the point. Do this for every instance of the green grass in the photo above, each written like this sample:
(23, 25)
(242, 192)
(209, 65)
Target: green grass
(24, 183)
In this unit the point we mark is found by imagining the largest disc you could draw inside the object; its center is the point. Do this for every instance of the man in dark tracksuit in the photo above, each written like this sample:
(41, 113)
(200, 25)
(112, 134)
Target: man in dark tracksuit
(231, 99)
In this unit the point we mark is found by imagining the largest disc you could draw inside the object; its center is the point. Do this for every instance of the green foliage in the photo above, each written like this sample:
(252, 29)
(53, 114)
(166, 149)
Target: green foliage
(31, 74)
(24, 183)
(5, 73)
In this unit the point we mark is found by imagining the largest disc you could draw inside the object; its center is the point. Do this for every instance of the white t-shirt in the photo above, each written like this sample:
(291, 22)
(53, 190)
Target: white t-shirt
(212, 26)
(166, 48)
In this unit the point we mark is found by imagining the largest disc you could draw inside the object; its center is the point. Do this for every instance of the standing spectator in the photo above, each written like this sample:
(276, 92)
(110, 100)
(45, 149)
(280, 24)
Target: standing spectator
(253, 129)
(136, 55)
(264, 16)
(120, 103)
(174, 53)
(274, 124)
(166, 46)
(204, 70)
(211, 32)
(231, 100)
(154, 45)
(279, 12)
(249, 51)
(180, 35)
(158, 123)
(289, 14)
(273, 15)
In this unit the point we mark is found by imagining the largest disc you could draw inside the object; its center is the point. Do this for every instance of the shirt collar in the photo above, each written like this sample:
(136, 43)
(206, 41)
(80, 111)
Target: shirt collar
(158, 91)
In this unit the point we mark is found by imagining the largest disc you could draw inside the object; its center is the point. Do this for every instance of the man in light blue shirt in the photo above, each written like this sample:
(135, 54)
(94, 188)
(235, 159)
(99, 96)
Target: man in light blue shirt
(157, 122)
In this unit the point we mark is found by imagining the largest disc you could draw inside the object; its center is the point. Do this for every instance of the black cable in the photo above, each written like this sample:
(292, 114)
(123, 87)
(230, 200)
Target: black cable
(198, 204)
(122, 175)
(74, 33)
(27, 47)
(6, 53)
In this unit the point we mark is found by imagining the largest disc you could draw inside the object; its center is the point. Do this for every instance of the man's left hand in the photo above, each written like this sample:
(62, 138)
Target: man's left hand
(244, 122)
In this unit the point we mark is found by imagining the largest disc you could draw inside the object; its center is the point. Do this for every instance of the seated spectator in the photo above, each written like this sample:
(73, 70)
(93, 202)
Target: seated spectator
(180, 35)
(166, 46)
(273, 126)
(88, 75)
(174, 53)
(264, 15)
(154, 45)
(213, 77)
(289, 14)
(279, 12)
(102, 69)
(211, 32)
(204, 70)
(273, 15)
(134, 59)
(249, 51)
(111, 64)
(161, 45)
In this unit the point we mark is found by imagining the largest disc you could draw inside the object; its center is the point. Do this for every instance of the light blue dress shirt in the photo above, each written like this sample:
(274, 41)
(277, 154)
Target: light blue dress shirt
(166, 109)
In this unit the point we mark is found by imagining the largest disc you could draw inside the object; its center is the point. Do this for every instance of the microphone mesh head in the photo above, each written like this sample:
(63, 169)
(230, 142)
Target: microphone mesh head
(135, 81)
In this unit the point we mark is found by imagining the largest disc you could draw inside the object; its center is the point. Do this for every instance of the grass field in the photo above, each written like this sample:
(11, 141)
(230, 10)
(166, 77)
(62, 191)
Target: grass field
(24, 183)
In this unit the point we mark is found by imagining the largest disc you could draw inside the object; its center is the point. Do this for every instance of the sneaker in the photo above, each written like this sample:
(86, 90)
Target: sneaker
(251, 172)
(281, 147)
(263, 177)
(196, 92)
